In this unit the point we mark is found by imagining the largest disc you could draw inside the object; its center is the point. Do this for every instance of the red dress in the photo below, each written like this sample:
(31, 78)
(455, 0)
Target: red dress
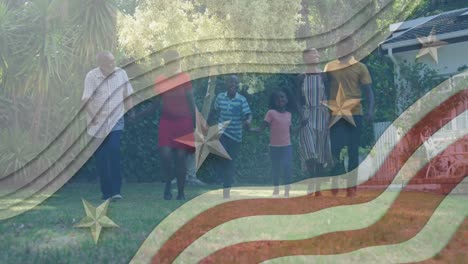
(176, 117)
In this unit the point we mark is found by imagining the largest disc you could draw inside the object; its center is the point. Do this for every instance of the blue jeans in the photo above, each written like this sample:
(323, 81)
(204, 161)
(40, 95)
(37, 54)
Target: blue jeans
(345, 134)
(108, 164)
(281, 161)
(224, 167)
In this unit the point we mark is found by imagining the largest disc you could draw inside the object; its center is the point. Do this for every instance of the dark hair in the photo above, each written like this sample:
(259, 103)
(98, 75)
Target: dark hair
(231, 77)
(308, 49)
(275, 94)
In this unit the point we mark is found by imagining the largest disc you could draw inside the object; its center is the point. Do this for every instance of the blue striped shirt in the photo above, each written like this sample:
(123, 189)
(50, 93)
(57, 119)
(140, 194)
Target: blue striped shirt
(235, 110)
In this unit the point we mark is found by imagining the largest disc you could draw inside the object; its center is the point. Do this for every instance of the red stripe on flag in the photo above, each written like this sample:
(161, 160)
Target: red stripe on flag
(456, 250)
(384, 232)
(220, 214)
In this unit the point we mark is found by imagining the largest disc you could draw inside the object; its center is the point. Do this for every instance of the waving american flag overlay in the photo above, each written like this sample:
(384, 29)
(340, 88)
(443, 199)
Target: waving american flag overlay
(256, 228)
(410, 200)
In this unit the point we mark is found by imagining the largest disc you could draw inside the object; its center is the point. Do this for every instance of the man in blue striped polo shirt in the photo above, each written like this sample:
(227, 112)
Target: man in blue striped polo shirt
(233, 107)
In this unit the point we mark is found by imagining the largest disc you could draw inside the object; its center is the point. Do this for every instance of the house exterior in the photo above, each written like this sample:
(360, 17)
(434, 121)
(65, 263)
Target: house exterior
(447, 34)
(449, 27)
(448, 30)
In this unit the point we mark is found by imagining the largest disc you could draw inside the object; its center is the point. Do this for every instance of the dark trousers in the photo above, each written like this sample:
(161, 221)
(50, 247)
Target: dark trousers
(281, 161)
(108, 164)
(224, 167)
(344, 134)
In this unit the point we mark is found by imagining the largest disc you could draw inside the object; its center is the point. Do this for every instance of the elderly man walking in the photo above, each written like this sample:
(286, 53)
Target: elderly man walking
(105, 90)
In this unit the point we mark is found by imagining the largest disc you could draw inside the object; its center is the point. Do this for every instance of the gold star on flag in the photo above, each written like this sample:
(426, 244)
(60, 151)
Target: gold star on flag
(430, 44)
(341, 107)
(96, 219)
(205, 140)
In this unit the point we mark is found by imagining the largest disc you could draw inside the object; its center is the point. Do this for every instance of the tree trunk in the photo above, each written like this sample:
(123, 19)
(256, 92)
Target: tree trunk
(210, 94)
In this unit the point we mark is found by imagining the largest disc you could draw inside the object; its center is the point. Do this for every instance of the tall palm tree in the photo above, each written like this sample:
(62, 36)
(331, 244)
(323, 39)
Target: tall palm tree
(95, 24)
(42, 55)
(8, 28)
(45, 45)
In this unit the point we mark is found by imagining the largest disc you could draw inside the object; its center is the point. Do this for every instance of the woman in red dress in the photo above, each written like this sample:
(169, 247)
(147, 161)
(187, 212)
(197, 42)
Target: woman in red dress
(177, 120)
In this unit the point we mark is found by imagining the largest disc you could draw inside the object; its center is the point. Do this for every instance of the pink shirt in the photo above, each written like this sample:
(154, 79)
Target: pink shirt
(279, 127)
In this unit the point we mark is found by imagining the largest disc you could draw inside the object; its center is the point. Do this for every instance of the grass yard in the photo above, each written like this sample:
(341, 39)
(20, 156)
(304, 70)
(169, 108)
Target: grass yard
(46, 233)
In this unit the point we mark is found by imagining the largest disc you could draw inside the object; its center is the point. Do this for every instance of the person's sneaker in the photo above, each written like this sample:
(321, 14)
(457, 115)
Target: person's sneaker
(180, 197)
(287, 188)
(117, 196)
(167, 196)
(335, 187)
(310, 189)
(276, 192)
(226, 193)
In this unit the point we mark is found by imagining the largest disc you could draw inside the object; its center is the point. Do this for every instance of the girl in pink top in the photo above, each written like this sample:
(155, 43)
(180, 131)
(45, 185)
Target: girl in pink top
(278, 119)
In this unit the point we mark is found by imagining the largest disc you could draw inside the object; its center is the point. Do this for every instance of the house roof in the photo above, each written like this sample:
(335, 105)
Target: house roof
(445, 23)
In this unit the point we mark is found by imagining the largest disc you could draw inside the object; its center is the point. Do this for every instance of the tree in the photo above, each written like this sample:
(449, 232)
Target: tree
(44, 51)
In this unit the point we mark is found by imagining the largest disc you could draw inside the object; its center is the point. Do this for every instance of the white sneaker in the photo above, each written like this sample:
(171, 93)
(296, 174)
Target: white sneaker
(117, 196)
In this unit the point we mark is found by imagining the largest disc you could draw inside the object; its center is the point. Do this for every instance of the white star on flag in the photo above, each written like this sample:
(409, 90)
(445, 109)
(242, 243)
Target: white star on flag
(205, 140)
(341, 107)
(430, 44)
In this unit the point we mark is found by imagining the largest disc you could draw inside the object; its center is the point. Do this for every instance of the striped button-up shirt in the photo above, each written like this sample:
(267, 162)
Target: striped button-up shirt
(105, 99)
(234, 110)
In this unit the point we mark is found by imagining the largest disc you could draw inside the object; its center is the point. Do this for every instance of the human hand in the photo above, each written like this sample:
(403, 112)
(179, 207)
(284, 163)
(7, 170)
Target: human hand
(248, 123)
(254, 129)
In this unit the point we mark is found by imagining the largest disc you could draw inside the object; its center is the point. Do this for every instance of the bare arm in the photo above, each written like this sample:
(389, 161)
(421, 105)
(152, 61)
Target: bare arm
(192, 106)
(248, 120)
(261, 128)
(298, 97)
(370, 98)
(89, 88)
(129, 105)
(89, 111)
(155, 103)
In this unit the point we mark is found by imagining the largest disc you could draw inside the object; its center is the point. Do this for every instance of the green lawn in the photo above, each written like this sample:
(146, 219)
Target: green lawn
(46, 233)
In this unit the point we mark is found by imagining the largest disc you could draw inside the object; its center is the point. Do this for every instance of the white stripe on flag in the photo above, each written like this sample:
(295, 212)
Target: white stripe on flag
(194, 207)
(304, 226)
(435, 235)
